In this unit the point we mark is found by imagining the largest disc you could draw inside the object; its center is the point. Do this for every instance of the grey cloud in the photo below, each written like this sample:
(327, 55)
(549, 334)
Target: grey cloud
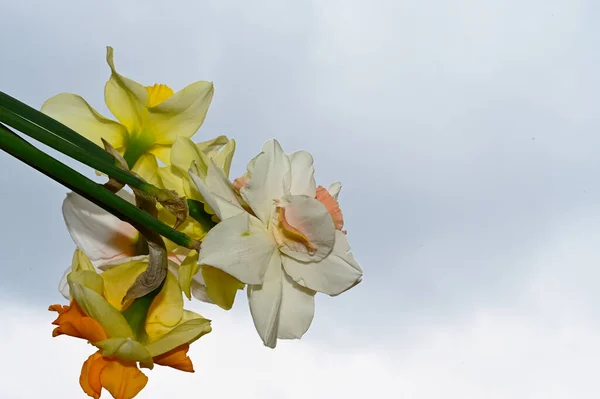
(462, 133)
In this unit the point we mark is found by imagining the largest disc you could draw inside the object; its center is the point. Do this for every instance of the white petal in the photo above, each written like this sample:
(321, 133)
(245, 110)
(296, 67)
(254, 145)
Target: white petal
(268, 179)
(217, 192)
(63, 285)
(302, 174)
(100, 235)
(334, 189)
(297, 309)
(311, 218)
(240, 246)
(219, 184)
(265, 301)
(332, 275)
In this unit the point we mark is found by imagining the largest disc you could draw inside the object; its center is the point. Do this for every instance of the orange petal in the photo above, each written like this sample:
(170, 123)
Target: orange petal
(72, 321)
(240, 182)
(176, 358)
(331, 205)
(60, 309)
(90, 375)
(123, 380)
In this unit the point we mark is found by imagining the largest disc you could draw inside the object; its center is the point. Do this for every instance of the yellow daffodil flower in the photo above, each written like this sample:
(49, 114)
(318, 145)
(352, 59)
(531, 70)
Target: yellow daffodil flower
(127, 334)
(104, 238)
(149, 118)
(205, 283)
(186, 154)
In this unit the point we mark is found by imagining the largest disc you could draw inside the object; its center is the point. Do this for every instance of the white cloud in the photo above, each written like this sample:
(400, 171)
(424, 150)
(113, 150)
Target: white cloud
(496, 354)
(541, 344)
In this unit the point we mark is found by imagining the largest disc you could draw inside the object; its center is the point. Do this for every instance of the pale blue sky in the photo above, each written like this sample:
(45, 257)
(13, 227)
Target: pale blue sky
(465, 134)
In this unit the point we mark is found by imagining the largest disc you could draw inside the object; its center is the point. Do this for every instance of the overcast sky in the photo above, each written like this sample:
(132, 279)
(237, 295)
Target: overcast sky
(465, 134)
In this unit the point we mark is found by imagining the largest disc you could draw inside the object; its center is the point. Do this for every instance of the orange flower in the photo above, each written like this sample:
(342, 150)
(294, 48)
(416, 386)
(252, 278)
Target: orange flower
(122, 379)
(176, 358)
(72, 321)
(166, 328)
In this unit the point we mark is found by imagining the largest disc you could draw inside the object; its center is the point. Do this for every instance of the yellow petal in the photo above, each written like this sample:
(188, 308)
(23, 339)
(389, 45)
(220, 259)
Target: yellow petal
(89, 279)
(158, 93)
(96, 307)
(162, 152)
(190, 227)
(166, 309)
(183, 153)
(220, 286)
(171, 179)
(122, 380)
(213, 146)
(126, 349)
(73, 111)
(189, 267)
(81, 262)
(187, 332)
(182, 114)
(147, 167)
(119, 279)
(224, 158)
(186, 155)
(193, 228)
(126, 99)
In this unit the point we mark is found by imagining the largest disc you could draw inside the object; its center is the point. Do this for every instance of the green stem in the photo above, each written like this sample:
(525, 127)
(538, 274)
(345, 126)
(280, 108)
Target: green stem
(53, 126)
(197, 212)
(56, 142)
(27, 153)
(65, 140)
(133, 151)
(137, 312)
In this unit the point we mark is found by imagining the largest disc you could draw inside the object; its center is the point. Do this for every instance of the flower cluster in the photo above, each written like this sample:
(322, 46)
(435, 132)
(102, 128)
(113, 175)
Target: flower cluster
(272, 231)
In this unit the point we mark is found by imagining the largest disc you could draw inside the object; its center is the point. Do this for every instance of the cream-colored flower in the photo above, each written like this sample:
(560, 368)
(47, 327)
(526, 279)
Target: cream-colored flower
(285, 241)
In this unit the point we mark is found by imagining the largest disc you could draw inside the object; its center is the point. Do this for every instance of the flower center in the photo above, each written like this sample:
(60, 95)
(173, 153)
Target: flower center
(138, 144)
(293, 233)
(157, 94)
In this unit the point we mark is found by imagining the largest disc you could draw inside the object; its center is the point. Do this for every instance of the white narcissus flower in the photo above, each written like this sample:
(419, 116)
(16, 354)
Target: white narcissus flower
(104, 238)
(284, 240)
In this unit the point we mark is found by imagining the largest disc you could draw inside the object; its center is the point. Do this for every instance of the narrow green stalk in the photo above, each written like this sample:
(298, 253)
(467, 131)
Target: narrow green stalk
(27, 153)
(65, 140)
(53, 126)
(56, 142)
(197, 212)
